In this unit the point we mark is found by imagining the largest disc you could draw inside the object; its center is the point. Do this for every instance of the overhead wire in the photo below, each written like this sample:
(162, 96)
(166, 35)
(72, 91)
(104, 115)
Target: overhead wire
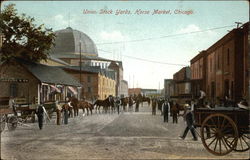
(142, 59)
(166, 36)
(154, 38)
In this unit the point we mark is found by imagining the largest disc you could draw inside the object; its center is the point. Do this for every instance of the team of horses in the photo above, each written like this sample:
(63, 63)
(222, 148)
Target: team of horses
(107, 105)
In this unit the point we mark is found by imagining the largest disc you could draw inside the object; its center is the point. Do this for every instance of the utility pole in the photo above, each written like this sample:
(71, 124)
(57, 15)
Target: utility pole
(238, 24)
(80, 65)
(134, 83)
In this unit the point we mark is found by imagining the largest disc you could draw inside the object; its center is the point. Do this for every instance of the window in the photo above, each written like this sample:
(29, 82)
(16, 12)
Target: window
(89, 79)
(218, 61)
(89, 89)
(13, 90)
(211, 65)
(228, 56)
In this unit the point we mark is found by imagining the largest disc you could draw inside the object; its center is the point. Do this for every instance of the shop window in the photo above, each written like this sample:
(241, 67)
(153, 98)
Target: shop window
(13, 90)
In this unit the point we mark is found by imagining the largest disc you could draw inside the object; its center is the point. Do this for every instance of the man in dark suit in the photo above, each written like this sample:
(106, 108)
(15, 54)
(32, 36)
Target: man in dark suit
(165, 108)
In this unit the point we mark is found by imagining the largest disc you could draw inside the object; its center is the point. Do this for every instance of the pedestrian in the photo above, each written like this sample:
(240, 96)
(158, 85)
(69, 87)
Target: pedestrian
(189, 118)
(58, 113)
(39, 112)
(118, 102)
(137, 102)
(130, 103)
(175, 112)
(202, 98)
(65, 110)
(165, 109)
(154, 107)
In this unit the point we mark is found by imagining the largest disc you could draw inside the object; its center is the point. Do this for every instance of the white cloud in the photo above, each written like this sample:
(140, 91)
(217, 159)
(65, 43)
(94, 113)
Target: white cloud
(112, 36)
(59, 20)
(189, 28)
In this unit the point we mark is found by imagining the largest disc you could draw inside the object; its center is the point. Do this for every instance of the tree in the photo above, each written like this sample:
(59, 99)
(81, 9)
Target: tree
(24, 39)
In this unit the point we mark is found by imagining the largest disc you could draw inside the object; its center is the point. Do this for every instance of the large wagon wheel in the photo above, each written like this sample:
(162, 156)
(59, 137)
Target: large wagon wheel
(219, 134)
(12, 123)
(2, 122)
(243, 142)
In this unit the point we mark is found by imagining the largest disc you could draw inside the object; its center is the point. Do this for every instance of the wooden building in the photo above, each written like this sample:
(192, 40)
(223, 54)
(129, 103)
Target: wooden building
(33, 81)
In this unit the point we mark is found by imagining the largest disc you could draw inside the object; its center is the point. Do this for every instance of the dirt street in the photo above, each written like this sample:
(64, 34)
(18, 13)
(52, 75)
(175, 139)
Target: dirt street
(129, 135)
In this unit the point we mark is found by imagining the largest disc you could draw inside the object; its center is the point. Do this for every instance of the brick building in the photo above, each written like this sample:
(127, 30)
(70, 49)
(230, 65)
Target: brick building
(198, 74)
(121, 85)
(97, 83)
(182, 83)
(168, 88)
(136, 91)
(225, 66)
(222, 69)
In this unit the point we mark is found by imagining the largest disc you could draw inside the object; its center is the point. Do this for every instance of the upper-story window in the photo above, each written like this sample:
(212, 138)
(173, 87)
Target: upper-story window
(228, 56)
(218, 61)
(89, 79)
(89, 89)
(210, 64)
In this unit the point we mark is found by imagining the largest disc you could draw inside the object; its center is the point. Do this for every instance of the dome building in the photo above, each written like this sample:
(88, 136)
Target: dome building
(71, 44)
(67, 44)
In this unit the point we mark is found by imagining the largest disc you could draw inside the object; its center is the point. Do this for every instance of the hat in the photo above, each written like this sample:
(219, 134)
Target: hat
(243, 104)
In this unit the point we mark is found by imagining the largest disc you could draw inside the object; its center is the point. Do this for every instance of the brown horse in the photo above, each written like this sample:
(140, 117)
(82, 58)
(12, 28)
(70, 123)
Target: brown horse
(108, 102)
(124, 103)
(86, 105)
(74, 103)
(143, 99)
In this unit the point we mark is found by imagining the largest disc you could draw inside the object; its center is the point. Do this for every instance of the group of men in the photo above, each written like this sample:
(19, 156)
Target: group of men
(172, 108)
(166, 107)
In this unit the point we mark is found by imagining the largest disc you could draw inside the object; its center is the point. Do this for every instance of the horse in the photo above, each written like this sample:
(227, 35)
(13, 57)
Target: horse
(124, 103)
(106, 103)
(74, 103)
(86, 105)
(144, 99)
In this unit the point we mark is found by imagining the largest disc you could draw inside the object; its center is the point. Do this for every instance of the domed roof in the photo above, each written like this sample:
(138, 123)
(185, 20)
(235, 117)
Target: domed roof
(67, 44)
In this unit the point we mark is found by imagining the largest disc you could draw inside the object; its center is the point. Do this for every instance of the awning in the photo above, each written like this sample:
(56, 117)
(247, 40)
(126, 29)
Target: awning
(72, 90)
(54, 88)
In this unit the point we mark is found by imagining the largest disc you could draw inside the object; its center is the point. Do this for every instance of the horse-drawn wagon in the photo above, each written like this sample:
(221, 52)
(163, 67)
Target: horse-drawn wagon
(7, 115)
(223, 129)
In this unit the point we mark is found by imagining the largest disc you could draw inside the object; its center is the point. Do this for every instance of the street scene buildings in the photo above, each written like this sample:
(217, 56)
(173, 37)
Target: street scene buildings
(125, 80)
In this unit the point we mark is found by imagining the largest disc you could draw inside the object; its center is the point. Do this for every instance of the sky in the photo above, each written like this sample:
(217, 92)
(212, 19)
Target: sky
(151, 47)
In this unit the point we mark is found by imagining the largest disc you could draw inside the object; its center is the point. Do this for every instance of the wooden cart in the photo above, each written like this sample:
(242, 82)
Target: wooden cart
(7, 115)
(223, 129)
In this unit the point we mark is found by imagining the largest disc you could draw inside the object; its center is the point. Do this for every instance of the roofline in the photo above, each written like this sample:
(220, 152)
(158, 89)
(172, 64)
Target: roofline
(198, 56)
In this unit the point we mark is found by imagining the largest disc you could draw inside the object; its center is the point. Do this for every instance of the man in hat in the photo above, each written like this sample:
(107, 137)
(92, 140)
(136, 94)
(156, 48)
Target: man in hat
(189, 118)
(165, 109)
(39, 112)
(243, 104)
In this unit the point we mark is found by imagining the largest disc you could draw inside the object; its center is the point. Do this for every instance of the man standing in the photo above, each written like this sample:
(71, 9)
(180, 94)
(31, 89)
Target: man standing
(117, 103)
(39, 113)
(202, 97)
(154, 107)
(58, 113)
(175, 111)
(165, 108)
(130, 103)
(137, 102)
